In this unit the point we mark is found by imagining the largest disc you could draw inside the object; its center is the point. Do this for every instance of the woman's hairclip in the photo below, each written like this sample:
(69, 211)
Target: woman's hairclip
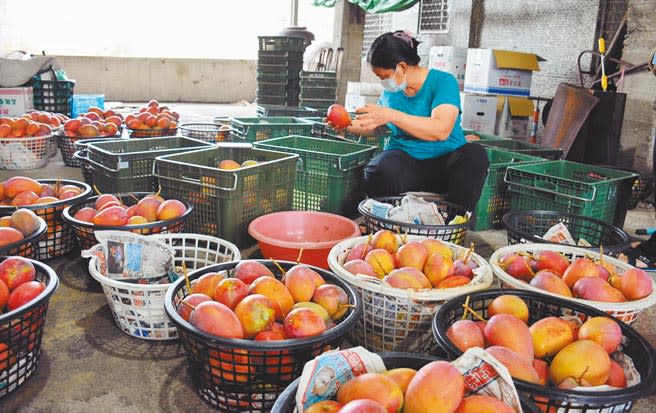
(404, 36)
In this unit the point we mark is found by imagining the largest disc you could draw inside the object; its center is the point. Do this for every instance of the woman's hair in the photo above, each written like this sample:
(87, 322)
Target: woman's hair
(391, 48)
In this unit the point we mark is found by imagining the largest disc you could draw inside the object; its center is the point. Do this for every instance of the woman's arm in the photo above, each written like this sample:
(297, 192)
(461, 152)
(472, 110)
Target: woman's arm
(437, 127)
(356, 128)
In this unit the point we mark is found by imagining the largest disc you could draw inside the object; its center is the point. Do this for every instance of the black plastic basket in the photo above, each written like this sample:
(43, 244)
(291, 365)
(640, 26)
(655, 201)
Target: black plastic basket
(85, 166)
(281, 44)
(454, 233)
(68, 146)
(286, 402)
(21, 331)
(207, 132)
(26, 247)
(52, 95)
(84, 231)
(152, 133)
(548, 398)
(525, 226)
(59, 239)
(236, 375)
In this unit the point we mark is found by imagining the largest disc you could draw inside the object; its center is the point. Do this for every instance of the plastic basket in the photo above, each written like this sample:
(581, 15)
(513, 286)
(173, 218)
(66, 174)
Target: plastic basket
(570, 187)
(138, 309)
(328, 175)
(206, 132)
(27, 247)
(521, 147)
(286, 402)
(21, 331)
(68, 147)
(271, 89)
(549, 398)
(259, 129)
(25, 153)
(454, 233)
(281, 43)
(276, 73)
(396, 319)
(529, 226)
(127, 165)
(236, 375)
(319, 104)
(85, 231)
(494, 202)
(271, 100)
(59, 239)
(52, 95)
(282, 58)
(152, 133)
(52, 144)
(321, 93)
(272, 110)
(626, 311)
(226, 201)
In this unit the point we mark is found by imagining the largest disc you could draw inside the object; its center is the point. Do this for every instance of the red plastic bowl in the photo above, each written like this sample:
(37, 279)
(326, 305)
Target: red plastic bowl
(281, 235)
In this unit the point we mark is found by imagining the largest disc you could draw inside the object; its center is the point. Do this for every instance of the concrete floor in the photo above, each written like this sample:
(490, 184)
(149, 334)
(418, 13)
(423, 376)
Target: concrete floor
(89, 365)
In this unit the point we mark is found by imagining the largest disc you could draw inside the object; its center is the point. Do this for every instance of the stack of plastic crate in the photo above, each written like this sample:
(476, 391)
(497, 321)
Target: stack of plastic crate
(318, 89)
(280, 59)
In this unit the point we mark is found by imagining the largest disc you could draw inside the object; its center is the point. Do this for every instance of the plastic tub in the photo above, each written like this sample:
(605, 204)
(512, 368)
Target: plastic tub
(282, 235)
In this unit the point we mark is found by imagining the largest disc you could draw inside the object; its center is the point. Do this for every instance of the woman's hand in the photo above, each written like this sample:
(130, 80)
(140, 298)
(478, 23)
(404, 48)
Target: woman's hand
(371, 116)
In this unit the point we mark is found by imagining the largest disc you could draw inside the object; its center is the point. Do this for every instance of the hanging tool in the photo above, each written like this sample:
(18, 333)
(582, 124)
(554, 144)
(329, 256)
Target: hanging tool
(338, 58)
(329, 59)
(602, 51)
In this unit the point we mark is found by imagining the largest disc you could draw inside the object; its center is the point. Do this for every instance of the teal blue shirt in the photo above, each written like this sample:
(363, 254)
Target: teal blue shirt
(438, 88)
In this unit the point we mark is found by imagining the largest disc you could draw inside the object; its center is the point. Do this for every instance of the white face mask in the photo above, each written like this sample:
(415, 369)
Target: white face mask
(390, 84)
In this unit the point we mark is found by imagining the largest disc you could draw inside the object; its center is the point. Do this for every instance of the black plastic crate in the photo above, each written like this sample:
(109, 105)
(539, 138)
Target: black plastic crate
(281, 43)
(52, 95)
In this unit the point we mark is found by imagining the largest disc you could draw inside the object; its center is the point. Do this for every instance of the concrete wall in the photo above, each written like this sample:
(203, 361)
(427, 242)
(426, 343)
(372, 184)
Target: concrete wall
(348, 32)
(170, 80)
(639, 128)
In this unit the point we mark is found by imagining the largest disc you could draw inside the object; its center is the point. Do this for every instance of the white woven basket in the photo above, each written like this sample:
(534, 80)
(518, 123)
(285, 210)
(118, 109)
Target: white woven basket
(397, 319)
(626, 311)
(138, 309)
(25, 153)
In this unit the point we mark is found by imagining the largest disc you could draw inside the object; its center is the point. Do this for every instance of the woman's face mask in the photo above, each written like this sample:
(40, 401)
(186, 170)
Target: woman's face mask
(390, 84)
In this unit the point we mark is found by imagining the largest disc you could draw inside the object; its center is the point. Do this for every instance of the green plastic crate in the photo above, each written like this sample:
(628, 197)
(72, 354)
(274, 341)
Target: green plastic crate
(485, 136)
(273, 110)
(226, 201)
(322, 130)
(493, 202)
(126, 165)
(571, 187)
(329, 173)
(259, 129)
(524, 147)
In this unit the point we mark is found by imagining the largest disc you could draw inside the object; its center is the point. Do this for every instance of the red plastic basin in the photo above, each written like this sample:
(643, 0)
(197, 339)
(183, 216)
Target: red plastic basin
(281, 235)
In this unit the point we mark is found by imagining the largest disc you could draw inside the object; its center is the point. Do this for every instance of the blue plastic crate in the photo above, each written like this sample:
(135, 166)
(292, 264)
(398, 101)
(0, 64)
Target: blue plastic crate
(81, 103)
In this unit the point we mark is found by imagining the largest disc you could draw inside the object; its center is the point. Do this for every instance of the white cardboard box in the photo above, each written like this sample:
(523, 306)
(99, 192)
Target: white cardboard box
(352, 102)
(15, 101)
(499, 72)
(449, 59)
(479, 112)
(515, 118)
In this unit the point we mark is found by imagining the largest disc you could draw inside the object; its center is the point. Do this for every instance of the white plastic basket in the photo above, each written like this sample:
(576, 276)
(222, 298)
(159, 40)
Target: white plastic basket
(626, 311)
(397, 319)
(25, 153)
(139, 309)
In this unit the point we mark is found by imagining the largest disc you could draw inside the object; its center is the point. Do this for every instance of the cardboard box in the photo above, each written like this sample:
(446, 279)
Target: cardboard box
(15, 101)
(515, 118)
(449, 59)
(500, 72)
(352, 102)
(479, 112)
